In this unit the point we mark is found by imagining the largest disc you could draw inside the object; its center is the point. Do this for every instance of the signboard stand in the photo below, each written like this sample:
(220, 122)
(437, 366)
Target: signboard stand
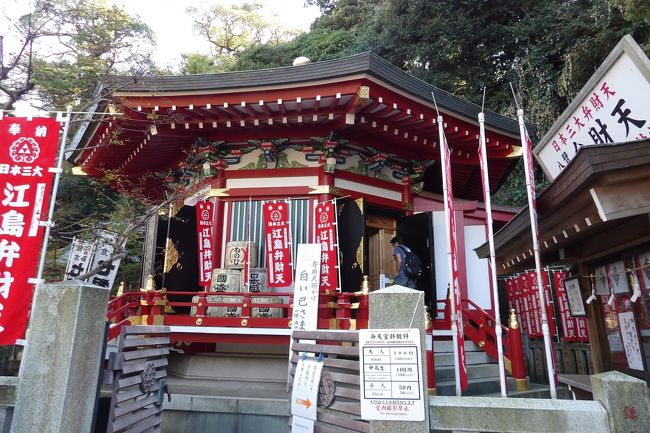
(396, 310)
(304, 394)
(391, 379)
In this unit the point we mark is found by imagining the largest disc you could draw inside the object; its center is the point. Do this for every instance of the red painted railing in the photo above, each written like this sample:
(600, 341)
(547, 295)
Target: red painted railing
(335, 311)
(480, 328)
(155, 307)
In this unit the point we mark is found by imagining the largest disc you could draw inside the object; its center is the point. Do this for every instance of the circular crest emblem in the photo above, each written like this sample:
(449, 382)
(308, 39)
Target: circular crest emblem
(324, 218)
(25, 149)
(276, 215)
(205, 215)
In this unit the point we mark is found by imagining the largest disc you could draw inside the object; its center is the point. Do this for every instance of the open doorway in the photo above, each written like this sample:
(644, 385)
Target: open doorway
(379, 231)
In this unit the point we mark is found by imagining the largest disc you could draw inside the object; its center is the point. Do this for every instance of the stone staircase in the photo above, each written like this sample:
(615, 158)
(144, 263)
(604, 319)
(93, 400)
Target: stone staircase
(238, 388)
(482, 371)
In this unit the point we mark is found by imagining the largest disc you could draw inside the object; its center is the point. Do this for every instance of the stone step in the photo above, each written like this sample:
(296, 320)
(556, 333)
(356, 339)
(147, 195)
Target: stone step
(445, 359)
(478, 371)
(275, 390)
(445, 346)
(225, 367)
(482, 386)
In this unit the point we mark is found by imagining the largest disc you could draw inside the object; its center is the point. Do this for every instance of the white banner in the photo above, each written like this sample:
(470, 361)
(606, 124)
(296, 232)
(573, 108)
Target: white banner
(305, 293)
(105, 277)
(81, 253)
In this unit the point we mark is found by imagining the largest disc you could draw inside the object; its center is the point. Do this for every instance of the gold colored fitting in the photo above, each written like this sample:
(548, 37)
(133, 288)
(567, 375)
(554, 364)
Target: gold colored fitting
(428, 322)
(199, 321)
(150, 284)
(120, 289)
(365, 285)
(245, 305)
(481, 344)
(290, 323)
(521, 384)
(514, 323)
(432, 391)
(244, 322)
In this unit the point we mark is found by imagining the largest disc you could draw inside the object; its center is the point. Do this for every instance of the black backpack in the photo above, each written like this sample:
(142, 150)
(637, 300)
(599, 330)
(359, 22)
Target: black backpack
(412, 264)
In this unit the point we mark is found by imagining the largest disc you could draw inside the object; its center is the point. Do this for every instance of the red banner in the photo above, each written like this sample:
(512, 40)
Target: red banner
(573, 328)
(278, 254)
(204, 227)
(326, 236)
(28, 149)
(454, 262)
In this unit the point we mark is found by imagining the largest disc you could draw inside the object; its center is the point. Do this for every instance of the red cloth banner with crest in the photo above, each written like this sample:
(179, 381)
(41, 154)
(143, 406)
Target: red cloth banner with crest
(278, 253)
(453, 278)
(326, 236)
(27, 150)
(573, 328)
(204, 227)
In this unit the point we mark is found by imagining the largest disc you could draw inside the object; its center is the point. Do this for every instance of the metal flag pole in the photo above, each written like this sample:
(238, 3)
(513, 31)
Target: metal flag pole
(452, 283)
(459, 357)
(530, 191)
(55, 187)
(336, 226)
(493, 266)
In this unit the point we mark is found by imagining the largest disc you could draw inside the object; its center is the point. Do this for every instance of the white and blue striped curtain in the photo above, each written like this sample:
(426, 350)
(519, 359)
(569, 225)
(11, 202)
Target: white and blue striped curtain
(239, 211)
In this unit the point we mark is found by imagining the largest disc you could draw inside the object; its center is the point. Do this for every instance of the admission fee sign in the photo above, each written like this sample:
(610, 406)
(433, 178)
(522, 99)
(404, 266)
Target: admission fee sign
(391, 379)
(611, 108)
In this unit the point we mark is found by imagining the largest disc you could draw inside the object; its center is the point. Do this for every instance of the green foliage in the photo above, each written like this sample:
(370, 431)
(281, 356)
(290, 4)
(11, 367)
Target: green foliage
(317, 45)
(233, 29)
(195, 63)
(57, 52)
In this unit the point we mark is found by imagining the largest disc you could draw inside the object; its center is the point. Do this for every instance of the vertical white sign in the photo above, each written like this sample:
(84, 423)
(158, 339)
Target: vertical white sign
(305, 294)
(81, 252)
(391, 379)
(630, 340)
(304, 394)
(105, 277)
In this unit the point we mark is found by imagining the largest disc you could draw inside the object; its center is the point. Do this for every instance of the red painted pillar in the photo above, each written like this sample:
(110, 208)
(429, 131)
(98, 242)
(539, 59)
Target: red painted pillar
(218, 182)
(516, 352)
(407, 195)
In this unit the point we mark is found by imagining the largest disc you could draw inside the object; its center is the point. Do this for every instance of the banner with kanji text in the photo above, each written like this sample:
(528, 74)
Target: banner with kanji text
(27, 150)
(325, 221)
(278, 252)
(204, 223)
(453, 253)
(573, 328)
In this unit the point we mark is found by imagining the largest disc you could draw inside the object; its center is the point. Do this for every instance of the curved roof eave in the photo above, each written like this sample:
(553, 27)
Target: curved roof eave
(364, 63)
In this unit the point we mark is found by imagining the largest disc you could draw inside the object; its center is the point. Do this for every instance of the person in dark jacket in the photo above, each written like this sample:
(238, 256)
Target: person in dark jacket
(399, 252)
